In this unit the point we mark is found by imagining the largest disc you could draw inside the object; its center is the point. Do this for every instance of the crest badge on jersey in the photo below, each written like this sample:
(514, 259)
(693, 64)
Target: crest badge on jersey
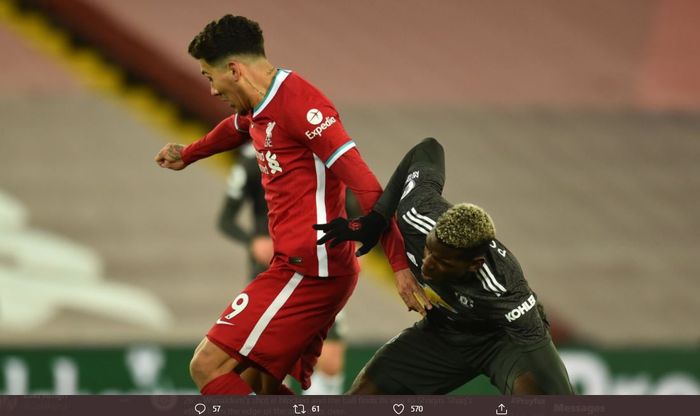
(464, 300)
(268, 133)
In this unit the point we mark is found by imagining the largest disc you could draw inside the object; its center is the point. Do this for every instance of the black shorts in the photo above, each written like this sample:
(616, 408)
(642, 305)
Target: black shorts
(420, 361)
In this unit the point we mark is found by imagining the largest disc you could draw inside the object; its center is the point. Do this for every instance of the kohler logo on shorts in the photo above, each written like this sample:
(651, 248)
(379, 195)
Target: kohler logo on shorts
(318, 131)
(522, 309)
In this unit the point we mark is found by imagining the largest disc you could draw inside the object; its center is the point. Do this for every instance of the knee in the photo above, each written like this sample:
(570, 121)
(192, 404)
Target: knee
(200, 370)
(525, 384)
(431, 143)
(207, 365)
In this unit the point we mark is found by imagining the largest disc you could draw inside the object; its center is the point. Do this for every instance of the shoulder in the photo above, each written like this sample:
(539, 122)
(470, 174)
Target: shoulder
(294, 82)
(300, 96)
(502, 265)
(305, 112)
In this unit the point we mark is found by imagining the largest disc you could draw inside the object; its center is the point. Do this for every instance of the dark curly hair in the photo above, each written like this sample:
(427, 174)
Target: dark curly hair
(230, 35)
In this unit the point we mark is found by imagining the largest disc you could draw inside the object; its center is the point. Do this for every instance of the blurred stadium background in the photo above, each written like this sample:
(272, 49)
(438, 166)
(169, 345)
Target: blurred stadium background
(575, 123)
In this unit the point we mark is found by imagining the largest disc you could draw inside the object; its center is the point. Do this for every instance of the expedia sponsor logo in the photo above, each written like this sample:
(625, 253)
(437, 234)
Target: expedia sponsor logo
(318, 131)
(314, 116)
(522, 309)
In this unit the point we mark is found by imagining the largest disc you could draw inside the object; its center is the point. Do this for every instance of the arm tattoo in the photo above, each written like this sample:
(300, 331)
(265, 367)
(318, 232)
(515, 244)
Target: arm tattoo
(174, 152)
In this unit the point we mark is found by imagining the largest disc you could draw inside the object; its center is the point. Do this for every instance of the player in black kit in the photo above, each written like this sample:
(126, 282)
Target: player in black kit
(483, 318)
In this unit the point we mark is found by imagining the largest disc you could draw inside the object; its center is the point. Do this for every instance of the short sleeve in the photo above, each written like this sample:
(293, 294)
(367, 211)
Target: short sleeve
(521, 319)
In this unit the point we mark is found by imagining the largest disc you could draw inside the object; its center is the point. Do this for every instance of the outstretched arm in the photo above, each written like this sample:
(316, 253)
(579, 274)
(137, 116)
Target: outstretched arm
(355, 173)
(367, 229)
(225, 136)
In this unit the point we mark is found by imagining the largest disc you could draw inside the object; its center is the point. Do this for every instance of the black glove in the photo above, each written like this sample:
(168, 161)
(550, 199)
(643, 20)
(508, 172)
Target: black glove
(366, 230)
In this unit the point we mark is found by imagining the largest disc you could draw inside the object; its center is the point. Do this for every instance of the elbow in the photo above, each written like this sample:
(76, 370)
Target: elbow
(431, 143)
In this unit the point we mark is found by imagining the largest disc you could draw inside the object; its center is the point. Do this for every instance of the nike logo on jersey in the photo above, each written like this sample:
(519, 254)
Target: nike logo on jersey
(220, 322)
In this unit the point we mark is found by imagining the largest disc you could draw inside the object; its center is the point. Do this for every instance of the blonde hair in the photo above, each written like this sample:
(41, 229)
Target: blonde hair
(465, 226)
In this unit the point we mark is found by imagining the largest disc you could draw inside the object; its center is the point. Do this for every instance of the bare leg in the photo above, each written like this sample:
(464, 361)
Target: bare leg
(328, 377)
(270, 385)
(209, 362)
(252, 377)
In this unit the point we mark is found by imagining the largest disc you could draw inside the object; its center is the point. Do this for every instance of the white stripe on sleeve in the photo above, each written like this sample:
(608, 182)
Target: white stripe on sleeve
(416, 226)
(423, 217)
(339, 152)
(493, 278)
(417, 220)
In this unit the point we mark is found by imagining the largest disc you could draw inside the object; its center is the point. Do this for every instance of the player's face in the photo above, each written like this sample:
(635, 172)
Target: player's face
(442, 263)
(222, 84)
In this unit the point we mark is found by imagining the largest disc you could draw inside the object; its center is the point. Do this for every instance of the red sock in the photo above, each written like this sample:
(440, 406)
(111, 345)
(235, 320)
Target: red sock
(230, 383)
(285, 390)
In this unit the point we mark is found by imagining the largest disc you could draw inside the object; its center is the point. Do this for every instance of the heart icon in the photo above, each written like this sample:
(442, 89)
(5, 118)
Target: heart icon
(398, 408)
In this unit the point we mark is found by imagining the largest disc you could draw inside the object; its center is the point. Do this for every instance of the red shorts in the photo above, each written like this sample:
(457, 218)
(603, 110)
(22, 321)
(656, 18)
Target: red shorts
(279, 321)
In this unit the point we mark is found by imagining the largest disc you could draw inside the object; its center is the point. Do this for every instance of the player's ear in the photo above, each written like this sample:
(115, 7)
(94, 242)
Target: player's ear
(234, 68)
(476, 263)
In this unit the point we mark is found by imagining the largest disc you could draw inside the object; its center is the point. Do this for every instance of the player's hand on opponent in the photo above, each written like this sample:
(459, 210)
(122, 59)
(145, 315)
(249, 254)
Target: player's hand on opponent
(411, 292)
(170, 156)
(366, 230)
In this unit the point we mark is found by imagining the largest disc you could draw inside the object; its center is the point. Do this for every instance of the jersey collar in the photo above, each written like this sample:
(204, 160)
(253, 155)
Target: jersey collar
(277, 81)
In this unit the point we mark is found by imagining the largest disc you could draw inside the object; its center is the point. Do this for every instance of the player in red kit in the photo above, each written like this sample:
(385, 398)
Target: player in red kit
(277, 324)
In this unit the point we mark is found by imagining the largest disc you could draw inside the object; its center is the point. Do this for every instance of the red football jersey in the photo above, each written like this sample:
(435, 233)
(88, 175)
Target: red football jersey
(306, 158)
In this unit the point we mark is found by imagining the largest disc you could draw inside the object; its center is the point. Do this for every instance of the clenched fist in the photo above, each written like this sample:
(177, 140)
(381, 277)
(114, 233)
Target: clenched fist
(170, 156)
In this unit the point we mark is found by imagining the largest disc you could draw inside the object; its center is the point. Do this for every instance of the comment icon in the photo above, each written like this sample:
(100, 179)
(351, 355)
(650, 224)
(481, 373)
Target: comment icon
(200, 408)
